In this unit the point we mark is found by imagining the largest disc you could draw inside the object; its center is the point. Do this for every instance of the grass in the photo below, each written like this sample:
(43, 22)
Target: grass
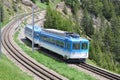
(51, 63)
(8, 71)
(91, 62)
(41, 5)
(44, 6)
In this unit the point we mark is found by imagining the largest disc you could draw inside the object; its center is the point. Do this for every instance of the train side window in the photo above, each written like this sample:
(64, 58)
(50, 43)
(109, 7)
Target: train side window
(44, 38)
(68, 46)
(59, 43)
(51, 40)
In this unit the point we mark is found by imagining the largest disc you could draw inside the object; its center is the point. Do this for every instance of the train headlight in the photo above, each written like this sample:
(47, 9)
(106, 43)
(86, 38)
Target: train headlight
(85, 54)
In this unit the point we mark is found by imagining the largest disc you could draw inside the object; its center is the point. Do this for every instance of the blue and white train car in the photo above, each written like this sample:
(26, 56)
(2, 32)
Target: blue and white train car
(68, 45)
(28, 33)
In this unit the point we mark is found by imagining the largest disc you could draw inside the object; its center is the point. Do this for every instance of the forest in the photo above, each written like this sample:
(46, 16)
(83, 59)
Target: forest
(100, 23)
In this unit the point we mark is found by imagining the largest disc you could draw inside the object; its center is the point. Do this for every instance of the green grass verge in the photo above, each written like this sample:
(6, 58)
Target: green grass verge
(57, 66)
(44, 6)
(91, 62)
(8, 71)
(41, 5)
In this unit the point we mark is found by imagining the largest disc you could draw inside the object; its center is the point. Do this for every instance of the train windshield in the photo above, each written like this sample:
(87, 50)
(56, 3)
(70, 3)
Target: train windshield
(84, 46)
(76, 46)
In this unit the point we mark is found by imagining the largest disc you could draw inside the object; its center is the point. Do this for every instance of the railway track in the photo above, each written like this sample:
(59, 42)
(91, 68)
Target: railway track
(11, 49)
(102, 72)
(99, 71)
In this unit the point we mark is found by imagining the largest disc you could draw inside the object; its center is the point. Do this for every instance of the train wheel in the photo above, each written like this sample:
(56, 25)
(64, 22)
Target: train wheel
(26, 38)
(65, 58)
(83, 60)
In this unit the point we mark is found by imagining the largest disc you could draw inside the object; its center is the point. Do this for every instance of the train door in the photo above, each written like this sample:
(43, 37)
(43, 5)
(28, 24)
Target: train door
(67, 49)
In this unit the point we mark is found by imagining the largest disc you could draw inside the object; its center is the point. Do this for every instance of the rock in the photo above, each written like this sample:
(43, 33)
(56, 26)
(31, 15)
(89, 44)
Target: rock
(27, 3)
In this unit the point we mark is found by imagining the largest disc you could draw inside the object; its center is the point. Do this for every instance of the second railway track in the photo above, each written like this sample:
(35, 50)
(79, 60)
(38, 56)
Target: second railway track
(13, 51)
(99, 71)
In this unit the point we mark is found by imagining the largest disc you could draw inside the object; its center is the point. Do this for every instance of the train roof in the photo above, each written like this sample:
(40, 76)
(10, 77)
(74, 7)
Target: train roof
(36, 28)
(79, 39)
(64, 34)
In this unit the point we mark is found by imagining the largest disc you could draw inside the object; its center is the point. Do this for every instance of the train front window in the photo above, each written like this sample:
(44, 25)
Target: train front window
(84, 46)
(76, 46)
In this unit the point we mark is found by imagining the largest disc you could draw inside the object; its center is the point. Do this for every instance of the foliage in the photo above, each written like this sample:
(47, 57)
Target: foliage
(47, 1)
(33, 1)
(1, 12)
(115, 24)
(96, 7)
(108, 9)
(55, 20)
(105, 42)
(87, 24)
(93, 6)
(65, 10)
(102, 58)
(74, 4)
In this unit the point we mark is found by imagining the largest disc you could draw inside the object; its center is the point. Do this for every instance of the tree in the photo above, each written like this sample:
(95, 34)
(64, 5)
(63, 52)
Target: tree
(96, 7)
(33, 1)
(42, 1)
(47, 2)
(74, 4)
(108, 9)
(65, 10)
(93, 6)
(108, 39)
(87, 24)
(115, 23)
(105, 43)
(1, 12)
(55, 20)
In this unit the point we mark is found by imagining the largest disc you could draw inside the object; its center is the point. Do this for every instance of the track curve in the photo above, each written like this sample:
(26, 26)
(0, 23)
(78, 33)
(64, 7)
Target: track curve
(11, 48)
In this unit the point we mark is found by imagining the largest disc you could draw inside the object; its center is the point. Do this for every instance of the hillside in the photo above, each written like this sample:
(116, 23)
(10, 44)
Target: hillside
(97, 20)
(10, 9)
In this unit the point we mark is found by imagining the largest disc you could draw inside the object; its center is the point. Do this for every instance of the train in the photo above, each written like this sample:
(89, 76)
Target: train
(67, 44)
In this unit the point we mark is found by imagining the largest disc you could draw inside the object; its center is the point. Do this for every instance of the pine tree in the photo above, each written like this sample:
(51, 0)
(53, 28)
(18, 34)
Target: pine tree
(33, 1)
(65, 10)
(108, 39)
(115, 23)
(92, 52)
(55, 20)
(87, 24)
(108, 9)
(74, 4)
(50, 15)
(1, 12)
(96, 7)
(47, 2)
